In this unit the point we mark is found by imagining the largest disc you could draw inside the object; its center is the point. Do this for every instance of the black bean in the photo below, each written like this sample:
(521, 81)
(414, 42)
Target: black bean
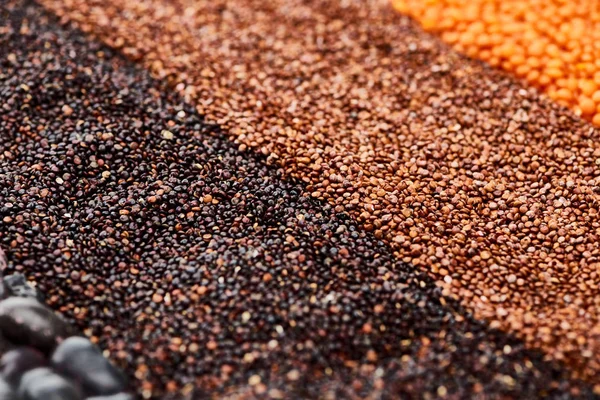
(26, 321)
(16, 362)
(6, 391)
(17, 285)
(43, 384)
(78, 359)
(118, 396)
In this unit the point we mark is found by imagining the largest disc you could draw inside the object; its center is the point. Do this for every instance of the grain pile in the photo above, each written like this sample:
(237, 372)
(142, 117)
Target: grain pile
(460, 169)
(196, 267)
(554, 45)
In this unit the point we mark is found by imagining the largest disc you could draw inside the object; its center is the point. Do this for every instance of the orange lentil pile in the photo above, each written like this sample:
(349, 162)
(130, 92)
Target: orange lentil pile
(554, 45)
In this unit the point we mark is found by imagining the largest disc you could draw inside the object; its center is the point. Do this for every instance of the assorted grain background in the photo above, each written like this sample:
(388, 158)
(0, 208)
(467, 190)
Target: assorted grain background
(306, 198)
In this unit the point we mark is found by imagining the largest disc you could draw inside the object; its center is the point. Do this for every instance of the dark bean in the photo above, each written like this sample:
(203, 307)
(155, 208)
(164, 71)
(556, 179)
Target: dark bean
(17, 285)
(6, 392)
(3, 262)
(119, 396)
(78, 359)
(16, 362)
(26, 321)
(43, 384)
